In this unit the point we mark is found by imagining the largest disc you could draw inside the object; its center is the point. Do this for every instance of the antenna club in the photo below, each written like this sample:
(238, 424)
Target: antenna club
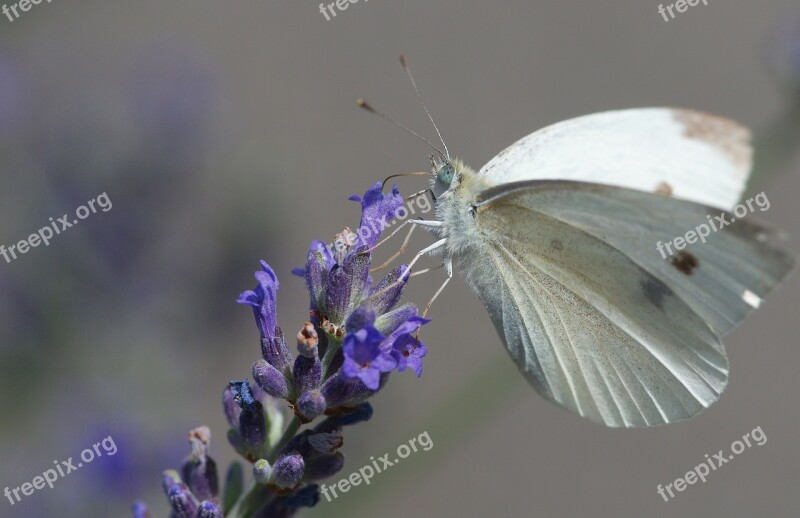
(362, 103)
(403, 60)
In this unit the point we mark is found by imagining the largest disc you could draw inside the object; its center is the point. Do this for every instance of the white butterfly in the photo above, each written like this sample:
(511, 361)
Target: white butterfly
(556, 235)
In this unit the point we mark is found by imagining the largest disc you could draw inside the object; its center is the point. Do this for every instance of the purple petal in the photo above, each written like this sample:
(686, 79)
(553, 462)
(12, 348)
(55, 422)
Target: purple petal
(362, 346)
(403, 330)
(263, 300)
(384, 363)
(371, 377)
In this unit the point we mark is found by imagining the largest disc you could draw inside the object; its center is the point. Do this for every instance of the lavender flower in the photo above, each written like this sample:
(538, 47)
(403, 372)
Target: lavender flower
(140, 510)
(365, 359)
(357, 336)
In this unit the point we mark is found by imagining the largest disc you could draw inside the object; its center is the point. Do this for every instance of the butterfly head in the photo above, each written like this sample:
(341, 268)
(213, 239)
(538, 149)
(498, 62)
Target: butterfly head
(444, 176)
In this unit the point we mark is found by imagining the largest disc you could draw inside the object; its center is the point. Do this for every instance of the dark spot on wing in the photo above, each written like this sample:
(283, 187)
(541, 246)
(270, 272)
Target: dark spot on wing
(655, 291)
(558, 245)
(685, 262)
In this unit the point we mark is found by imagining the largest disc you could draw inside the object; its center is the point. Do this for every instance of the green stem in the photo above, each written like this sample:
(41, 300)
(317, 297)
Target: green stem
(334, 344)
(287, 436)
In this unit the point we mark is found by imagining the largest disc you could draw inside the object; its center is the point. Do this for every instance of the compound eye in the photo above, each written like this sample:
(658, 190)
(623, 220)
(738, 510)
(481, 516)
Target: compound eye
(446, 174)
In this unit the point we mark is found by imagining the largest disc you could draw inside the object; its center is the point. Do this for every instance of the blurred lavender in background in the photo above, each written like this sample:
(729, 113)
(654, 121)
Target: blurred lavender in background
(144, 137)
(777, 143)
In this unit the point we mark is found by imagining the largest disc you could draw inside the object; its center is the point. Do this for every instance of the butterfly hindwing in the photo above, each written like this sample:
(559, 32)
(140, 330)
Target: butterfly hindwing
(595, 324)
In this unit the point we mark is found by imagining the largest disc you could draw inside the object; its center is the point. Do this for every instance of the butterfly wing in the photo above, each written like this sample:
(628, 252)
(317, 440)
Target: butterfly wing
(597, 325)
(689, 154)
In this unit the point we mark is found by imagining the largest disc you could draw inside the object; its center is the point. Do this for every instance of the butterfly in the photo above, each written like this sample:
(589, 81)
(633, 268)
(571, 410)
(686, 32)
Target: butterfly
(557, 236)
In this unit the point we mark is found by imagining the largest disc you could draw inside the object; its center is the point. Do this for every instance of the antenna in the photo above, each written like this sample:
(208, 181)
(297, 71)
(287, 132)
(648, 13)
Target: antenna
(407, 68)
(368, 107)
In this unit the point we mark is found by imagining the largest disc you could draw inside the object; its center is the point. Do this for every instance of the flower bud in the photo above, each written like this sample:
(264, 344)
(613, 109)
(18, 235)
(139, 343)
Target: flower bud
(311, 404)
(252, 425)
(323, 466)
(341, 391)
(326, 442)
(288, 471)
(362, 412)
(169, 479)
(231, 407)
(361, 317)
(183, 502)
(319, 262)
(307, 374)
(276, 353)
(209, 509)
(271, 381)
(387, 293)
(346, 283)
(262, 471)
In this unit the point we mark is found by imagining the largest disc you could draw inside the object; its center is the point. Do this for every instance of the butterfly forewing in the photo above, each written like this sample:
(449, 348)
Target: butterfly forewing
(691, 155)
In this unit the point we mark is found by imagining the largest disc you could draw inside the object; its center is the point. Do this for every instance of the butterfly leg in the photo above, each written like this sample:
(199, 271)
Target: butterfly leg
(426, 224)
(387, 238)
(426, 270)
(398, 253)
(412, 196)
(448, 267)
(432, 249)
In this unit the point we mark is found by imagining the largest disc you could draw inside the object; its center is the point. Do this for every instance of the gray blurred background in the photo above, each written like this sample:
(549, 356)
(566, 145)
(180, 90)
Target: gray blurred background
(225, 133)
